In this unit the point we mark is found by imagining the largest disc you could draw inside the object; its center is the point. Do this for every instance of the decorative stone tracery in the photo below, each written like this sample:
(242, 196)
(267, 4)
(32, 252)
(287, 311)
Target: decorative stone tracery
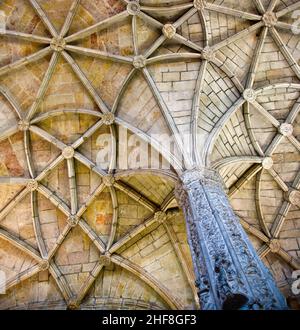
(58, 45)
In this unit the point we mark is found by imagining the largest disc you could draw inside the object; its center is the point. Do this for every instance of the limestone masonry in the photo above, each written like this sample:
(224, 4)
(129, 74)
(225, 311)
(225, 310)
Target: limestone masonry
(149, 154)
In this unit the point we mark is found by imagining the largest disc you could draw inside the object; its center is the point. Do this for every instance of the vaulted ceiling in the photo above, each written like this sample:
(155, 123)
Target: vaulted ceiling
(76, 232)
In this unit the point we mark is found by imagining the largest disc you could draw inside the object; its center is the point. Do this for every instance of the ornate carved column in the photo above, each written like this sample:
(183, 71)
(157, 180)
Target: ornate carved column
(229, 273)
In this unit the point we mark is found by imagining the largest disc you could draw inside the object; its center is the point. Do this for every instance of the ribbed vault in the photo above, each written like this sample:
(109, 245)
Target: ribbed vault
(79, 233)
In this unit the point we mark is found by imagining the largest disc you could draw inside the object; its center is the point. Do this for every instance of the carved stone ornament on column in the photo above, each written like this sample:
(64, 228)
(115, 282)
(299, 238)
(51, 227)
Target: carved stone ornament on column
(229, 273)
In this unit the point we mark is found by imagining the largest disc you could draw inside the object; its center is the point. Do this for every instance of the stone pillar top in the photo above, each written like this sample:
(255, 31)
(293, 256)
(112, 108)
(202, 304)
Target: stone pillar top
(203, 174)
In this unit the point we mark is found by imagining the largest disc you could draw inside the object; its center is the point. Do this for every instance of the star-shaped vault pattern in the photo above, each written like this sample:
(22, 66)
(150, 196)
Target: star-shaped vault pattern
(225, 74)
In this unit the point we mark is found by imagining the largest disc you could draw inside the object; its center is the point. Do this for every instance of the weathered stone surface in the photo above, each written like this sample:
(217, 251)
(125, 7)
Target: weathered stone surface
(229, 274)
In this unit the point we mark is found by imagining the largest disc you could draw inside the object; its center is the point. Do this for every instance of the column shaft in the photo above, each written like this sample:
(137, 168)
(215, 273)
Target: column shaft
(229, 273)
